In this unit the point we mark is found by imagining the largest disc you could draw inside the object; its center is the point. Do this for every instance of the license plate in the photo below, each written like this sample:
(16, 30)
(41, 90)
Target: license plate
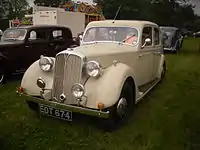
(56, 113)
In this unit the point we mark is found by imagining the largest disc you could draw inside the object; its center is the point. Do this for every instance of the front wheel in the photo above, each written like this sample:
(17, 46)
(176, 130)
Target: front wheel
(121, 112)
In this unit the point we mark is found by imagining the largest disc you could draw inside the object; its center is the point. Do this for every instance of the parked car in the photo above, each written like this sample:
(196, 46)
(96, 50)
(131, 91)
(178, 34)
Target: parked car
(173, 39)
(196, 34)
(115, 66)
(186, 33)
(21, 46)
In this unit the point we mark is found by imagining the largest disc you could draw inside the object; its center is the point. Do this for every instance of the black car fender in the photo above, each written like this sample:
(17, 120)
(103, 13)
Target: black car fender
(2, 56)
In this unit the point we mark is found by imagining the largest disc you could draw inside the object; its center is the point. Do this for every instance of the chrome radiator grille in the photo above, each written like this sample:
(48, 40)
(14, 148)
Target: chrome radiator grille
(68, 70)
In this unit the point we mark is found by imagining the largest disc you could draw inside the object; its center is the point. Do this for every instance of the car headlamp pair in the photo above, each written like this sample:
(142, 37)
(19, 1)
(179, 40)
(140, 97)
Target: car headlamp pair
(45, 63)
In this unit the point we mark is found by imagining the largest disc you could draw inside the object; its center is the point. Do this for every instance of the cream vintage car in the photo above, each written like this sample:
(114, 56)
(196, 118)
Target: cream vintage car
(116, 65)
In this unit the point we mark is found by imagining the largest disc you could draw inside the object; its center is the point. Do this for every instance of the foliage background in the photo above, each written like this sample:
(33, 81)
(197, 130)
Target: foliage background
(178, 13)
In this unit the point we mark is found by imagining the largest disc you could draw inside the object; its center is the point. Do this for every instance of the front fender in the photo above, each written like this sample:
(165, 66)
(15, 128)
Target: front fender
(107, 88)
(32, 74)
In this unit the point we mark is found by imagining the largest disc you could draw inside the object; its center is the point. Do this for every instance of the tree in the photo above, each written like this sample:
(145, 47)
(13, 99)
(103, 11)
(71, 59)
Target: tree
(13, 8)
(164, 12)
(17, 8)
(3, 8)
(29, 10)
(130, 9)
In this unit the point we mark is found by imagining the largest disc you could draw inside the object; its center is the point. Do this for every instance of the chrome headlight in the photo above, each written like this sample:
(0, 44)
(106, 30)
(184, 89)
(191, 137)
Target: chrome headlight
(93, 69)
(46, 63)
(78, 90)
(41, 83)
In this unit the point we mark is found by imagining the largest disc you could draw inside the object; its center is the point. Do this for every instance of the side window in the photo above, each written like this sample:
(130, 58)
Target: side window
(147, 33)
(33, 35)
(57, 34)
(156, 36)
(38, 34)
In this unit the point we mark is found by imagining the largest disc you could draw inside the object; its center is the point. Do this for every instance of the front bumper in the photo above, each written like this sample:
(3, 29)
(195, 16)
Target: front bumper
(76, 109)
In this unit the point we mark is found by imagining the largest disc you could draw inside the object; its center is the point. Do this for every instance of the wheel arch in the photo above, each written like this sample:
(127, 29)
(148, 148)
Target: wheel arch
(29, 79)
(112, 82)
(160, 67)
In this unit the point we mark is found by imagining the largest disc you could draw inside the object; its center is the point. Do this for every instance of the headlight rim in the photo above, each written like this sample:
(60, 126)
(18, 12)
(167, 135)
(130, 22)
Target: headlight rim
(50, 62)
(100, 71)
(81, 86)
(41, 83)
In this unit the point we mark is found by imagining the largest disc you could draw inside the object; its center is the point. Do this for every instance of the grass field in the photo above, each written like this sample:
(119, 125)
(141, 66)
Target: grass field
(167, 119)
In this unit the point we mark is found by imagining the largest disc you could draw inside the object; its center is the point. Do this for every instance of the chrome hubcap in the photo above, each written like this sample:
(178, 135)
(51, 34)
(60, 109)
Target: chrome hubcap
(1, 78)
(121, 107)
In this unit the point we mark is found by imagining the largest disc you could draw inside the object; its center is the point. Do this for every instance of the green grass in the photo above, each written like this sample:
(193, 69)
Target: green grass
(167, 119)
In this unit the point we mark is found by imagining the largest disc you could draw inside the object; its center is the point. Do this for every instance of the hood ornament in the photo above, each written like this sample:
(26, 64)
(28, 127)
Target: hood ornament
(115, 62)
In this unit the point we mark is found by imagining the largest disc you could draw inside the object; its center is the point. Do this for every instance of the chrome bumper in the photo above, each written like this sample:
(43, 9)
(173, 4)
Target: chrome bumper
(76, 109)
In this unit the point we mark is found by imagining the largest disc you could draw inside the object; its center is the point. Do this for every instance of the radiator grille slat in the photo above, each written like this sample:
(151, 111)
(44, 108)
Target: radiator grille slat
(72, 75)
(68, 70)
(58, 76)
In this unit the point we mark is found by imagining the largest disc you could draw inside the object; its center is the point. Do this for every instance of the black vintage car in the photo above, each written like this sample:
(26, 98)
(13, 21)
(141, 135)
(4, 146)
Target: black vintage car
(21, 46)
(172, 38)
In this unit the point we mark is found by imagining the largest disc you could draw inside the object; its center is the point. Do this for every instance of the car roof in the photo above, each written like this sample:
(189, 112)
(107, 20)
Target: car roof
(39, 26)
(128, 23)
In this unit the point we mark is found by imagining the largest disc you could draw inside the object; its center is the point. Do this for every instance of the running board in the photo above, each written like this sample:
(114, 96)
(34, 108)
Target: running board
(143, 90)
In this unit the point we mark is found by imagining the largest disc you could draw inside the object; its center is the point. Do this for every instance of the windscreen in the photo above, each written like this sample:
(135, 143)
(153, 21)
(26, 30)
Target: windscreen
(14, 34)
(109, 34)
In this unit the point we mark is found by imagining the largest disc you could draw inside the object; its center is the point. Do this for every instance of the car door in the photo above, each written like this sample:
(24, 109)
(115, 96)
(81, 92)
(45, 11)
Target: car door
(157, 51)
(37, 44)
(56, 41)
(145, 58)
(61, 39)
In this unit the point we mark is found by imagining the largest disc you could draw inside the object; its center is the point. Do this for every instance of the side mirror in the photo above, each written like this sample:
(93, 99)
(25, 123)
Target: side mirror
(147, 41)
(1, 32)
(80, 37)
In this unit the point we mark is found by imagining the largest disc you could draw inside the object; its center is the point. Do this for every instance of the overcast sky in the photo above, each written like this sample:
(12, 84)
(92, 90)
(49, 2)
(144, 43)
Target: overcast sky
(195, 2)
(197, 8)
